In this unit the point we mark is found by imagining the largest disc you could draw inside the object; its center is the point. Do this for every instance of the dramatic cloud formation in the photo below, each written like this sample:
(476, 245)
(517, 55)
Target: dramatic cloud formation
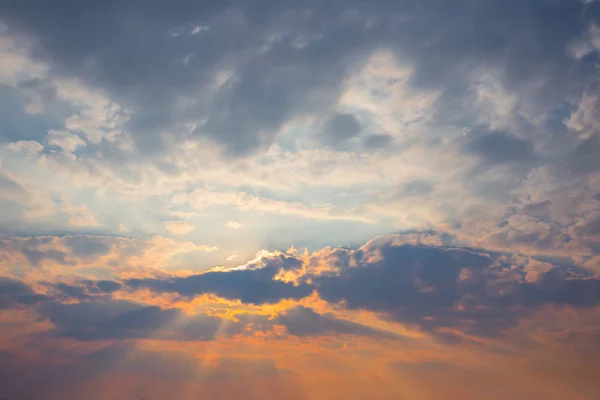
(299, 200)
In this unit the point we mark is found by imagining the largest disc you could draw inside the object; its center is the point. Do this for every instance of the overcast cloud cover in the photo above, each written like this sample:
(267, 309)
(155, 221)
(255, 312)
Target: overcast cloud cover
(300, 199)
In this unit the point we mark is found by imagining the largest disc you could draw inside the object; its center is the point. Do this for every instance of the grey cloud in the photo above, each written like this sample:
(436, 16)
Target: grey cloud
(107, 286)
(86, 289)
(11, 189)
(88, 246)
(548, 238)
(590, 228)
(541, 209)
(423, 285)
(289, 58)
(584, 158)
(302, 321)
(338, 129)
(15, 123)
(250, 286)
(99, 317)
(501, 147)
(415, 188)
(427, 286)
(32, 248)
(104, 319)
(415, 284)
(14, 292)
(377, 141)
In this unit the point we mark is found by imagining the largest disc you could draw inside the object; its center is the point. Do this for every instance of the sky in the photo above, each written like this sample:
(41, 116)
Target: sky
(299, 200)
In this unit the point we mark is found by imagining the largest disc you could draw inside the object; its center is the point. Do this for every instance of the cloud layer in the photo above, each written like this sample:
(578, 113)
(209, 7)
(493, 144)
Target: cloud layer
(299, 200)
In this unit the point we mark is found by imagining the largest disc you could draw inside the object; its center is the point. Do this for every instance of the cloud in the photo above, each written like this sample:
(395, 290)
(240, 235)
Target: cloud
(501, 147)
(476, 116)
(64, 140)
(106, 319)
(28, 147)
(69, 253)
(200, 199)
(338, 129)
(470, 127)
(428, 286)
(253, 286)
(302, 321)
(234, 225)
(179, 227)
(14, 292)
(246, 114)
(88, 311)
(378, 141)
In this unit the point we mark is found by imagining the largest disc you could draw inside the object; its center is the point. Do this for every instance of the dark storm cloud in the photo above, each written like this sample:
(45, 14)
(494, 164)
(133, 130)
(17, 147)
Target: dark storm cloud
(289, 58)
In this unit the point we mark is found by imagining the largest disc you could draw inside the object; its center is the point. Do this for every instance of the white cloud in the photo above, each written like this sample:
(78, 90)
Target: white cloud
(200, 199)
(29, 148)
(64, 140)
(198, 29)
(234, 225)
(586, 119)
(78, 215)
(16, 65)
(179, 227)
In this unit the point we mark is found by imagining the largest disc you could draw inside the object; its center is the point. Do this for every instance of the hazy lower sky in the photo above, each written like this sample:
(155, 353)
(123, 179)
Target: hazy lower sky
(300, 200)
